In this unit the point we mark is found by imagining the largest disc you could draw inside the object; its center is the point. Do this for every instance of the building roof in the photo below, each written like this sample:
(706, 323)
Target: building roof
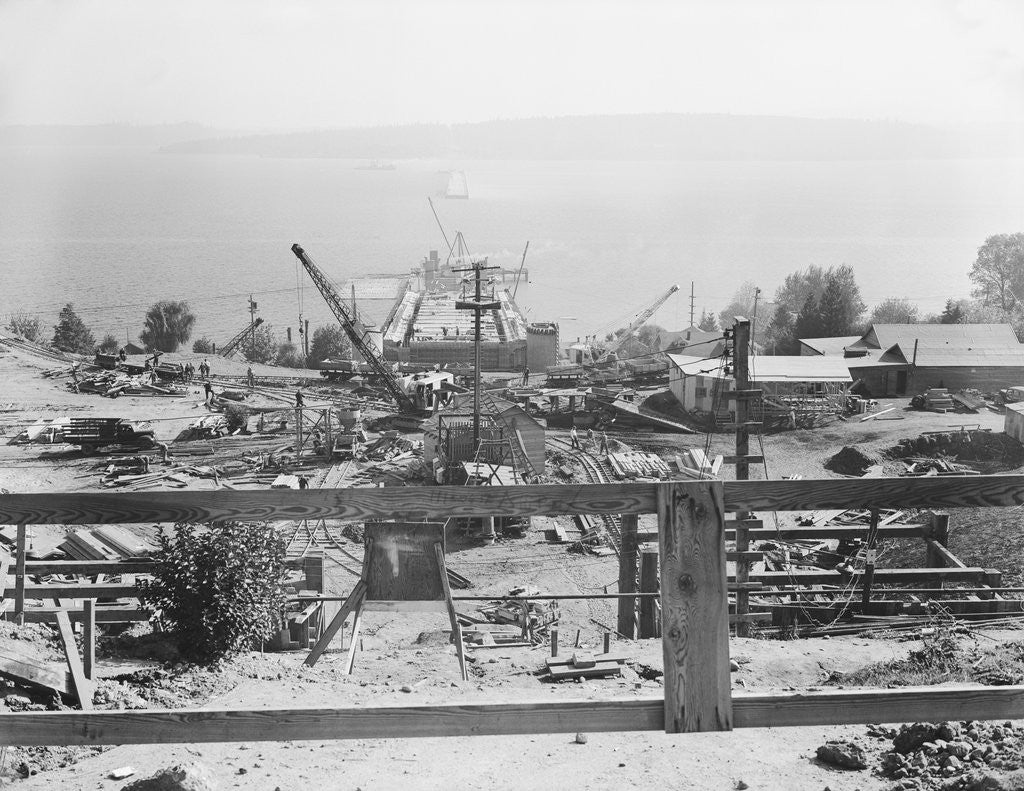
(945, 356)
(788, 368)
(827, 346)
(961, 336)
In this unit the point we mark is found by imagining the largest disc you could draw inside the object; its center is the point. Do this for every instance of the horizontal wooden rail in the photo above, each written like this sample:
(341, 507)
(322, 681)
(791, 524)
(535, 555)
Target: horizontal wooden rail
(59, 590)
(839, 707)
(429, 502)
(89, 567)
(882, 576)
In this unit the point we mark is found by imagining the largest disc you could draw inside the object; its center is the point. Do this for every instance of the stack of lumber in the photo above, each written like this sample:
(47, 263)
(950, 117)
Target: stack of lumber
(694, 463)
(176, 476)
(106, 543)
(536, 621)
(388, 447)
(489, 635)
(638, 464)
(937, 400)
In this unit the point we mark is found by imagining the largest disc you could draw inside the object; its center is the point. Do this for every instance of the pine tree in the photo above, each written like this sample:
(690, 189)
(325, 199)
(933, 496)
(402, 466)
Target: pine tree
(71, 334)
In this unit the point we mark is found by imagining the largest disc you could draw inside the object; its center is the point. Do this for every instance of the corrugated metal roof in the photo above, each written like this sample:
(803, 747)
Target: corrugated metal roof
(830, 345)
(788, 368)
(962, 336)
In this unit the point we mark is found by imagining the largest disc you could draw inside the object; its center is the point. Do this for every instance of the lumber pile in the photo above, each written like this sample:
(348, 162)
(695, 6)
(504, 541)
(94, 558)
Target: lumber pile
(529, 622)
(923, 466)
(106, 543)
(388, 447)
(638, 464)
(937, 400)
(115, 383)
(969, 400)
(694, 463)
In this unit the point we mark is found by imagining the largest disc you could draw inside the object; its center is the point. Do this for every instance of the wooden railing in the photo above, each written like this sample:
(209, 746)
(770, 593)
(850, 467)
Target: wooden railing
(695, 636)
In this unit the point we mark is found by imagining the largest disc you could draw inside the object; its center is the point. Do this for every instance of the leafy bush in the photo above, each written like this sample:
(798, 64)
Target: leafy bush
(237, 416)
(27, 326)
(329, 342)
(108, 345)
(289, 356)
(220, 589)
(261, 345)
(168, 324)
(71, 334)
(203, 346)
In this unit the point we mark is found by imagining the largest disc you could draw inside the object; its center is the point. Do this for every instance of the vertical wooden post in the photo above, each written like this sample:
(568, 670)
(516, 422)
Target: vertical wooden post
(19, 575)
(648, 584)
(626, 623)
(554, 642)
(869, 561)
(694, 606)
(742, 575)
(313, 569)
(939, 531)
(607, 642)
(89, 637)
(298, 433)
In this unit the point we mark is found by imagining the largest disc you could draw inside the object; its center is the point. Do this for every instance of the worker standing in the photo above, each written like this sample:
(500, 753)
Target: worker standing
(250, 377)
(298, 399)
(574, 437)
(526, 375)
(208, 388)
(604, 443)
(590, 438)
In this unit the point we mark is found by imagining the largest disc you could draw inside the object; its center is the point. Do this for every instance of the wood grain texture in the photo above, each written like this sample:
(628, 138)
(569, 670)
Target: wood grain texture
(406, 504)
(809, 495)
(626, 616)
(694, 607)
(412, 503)
(83, 687)
(88, 567)
(177, 726)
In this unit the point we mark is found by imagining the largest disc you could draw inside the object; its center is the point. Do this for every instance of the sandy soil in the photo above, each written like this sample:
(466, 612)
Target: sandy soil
(413, 650)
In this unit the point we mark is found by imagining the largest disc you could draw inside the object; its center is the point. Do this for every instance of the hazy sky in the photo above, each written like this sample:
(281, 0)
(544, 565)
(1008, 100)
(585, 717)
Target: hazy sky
(298, 64)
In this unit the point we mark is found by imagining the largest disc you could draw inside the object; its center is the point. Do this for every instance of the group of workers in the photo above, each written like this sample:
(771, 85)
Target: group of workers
(575, 439)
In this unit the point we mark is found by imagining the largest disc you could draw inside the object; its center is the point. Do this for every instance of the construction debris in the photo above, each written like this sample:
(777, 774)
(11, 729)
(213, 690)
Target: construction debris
(637, 464)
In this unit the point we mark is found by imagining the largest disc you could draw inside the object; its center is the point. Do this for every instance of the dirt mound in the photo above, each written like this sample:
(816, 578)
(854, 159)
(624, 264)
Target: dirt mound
(850, 461)
(985, 451)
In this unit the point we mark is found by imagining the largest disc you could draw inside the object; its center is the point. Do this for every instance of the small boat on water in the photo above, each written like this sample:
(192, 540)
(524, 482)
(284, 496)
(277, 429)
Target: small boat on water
(377, 164)
(458, 185)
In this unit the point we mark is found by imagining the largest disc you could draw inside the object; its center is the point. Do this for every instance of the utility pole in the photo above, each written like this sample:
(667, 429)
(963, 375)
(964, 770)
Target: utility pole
(743, 394)
(252, 322)
(478, 305)
(753, 319)
(692, 305)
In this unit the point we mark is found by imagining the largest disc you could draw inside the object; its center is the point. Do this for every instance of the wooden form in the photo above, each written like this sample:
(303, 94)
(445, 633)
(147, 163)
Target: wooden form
(691, 530)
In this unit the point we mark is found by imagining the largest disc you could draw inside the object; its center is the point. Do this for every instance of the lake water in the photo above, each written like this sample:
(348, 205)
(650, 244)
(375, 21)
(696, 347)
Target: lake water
(114, 230)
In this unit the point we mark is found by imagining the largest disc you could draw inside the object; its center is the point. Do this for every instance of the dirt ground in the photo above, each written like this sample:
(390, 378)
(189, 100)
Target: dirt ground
(412, 650)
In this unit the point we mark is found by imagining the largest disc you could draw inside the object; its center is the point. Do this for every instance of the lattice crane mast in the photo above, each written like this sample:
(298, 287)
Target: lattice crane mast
(633, 326)
(355, 332)
(229, 347)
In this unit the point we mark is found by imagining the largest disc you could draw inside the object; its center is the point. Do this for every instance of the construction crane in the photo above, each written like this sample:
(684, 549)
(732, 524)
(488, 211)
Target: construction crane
(228, 348)
(587, 355)
(356, 333)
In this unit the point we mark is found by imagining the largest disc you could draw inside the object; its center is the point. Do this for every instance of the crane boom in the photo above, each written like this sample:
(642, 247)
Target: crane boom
(636, 323)
(234, 343)
(355, 332)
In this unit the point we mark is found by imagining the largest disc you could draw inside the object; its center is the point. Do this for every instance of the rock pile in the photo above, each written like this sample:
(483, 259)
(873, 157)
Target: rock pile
(923, 755)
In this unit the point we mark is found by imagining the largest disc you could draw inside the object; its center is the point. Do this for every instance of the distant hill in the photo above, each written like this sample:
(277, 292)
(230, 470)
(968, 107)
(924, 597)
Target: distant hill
(626, 137)
(152, 136)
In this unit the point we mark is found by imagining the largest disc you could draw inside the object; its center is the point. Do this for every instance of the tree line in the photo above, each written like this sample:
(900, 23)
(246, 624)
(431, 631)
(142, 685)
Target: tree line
(822, 303)
(167, 327)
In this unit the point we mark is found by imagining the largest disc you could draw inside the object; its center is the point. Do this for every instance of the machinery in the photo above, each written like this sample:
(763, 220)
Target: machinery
(231, 346)
(583, 356)
(91, 434)
(358, 334)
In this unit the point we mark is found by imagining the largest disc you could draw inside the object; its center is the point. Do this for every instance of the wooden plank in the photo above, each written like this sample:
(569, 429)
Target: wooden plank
(825, 533)
(352, 603)
(946, 558)
(749, 459)
(647, 622)
(103, 615)
(183, 726)
(58, 590)
(882, 576)
(19, 574)
(626, 618)
(807, 495)
(89, 567)
(413, 503)
(83, 687)
(694, 608)
(88, 637)
(26, 669)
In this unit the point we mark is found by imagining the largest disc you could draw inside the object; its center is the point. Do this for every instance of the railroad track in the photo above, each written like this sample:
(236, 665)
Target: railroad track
(597, 471)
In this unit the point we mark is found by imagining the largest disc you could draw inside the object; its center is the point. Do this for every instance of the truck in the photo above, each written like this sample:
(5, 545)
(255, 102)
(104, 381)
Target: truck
(93, 433)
